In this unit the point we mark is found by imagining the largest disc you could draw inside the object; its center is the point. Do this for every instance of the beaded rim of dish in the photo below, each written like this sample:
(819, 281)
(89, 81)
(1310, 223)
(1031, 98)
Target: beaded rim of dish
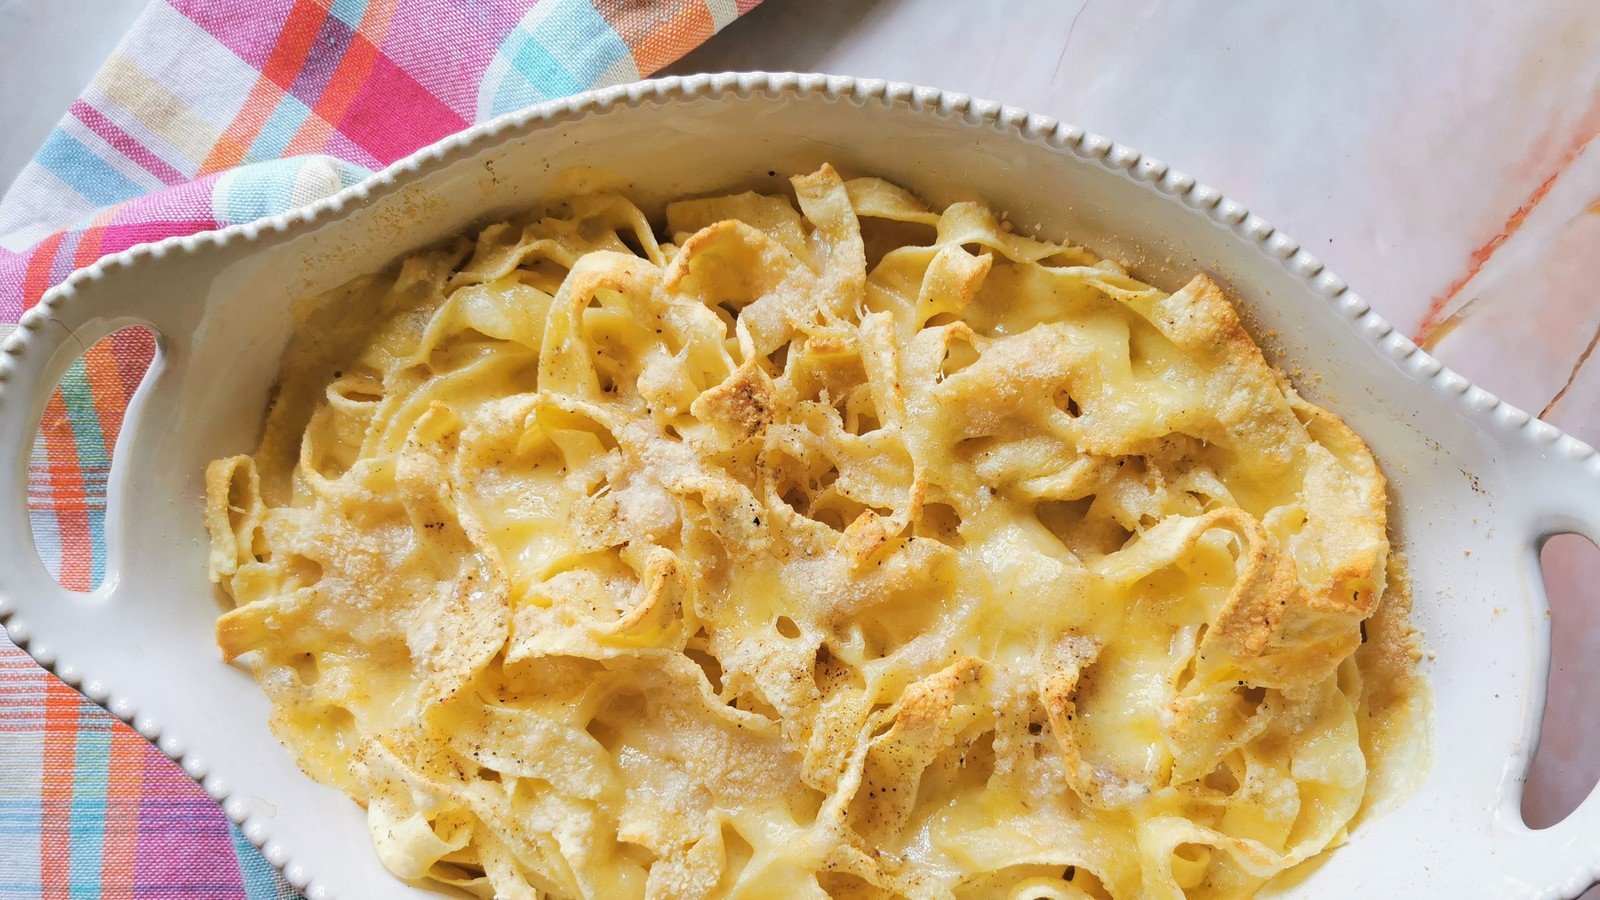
(1482, 406)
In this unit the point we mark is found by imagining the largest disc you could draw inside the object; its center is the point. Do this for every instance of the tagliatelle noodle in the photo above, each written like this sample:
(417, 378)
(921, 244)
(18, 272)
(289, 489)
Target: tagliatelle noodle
(835, 547)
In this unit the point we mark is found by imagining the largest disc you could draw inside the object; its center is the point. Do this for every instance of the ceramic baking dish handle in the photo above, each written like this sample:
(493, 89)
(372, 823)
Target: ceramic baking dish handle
(47, 340)
(1560, 480)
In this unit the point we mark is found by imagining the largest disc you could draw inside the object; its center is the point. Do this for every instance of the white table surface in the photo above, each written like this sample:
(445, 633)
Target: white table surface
(1438, 154)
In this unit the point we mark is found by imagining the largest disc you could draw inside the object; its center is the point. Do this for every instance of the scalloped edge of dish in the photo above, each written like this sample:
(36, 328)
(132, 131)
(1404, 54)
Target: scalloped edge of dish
(1257, 233)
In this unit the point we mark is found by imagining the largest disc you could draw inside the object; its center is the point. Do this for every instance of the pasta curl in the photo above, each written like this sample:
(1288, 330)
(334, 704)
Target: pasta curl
(822, 545)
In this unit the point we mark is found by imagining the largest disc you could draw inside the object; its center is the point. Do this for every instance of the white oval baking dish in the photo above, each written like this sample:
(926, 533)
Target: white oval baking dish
(1477, 484)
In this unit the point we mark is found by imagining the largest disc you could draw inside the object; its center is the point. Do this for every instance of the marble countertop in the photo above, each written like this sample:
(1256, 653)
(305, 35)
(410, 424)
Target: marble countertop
(1439, 154)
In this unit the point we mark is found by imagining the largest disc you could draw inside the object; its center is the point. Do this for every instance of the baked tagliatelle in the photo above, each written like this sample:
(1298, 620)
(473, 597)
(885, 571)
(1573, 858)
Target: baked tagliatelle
(837, 547)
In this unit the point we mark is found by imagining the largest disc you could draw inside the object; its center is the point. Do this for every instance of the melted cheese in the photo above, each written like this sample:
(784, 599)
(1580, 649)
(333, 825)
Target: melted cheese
(837, 547)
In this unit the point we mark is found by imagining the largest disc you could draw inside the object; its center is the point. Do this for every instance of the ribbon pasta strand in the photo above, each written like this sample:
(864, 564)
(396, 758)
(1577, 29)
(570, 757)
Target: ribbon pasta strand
(822, 545)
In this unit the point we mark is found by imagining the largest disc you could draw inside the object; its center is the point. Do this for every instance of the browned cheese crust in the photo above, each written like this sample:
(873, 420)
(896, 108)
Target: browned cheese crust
(815, 545)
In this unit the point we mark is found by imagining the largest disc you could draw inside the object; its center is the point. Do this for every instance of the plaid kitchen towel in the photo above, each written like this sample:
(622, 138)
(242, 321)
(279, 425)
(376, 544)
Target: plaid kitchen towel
(210, 113)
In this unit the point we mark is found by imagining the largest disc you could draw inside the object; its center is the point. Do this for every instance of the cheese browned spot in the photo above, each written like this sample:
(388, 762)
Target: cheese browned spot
(817, 546)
